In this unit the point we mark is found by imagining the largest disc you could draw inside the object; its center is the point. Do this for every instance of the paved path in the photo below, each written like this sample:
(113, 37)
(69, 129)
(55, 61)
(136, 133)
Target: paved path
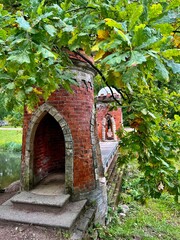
(15, 129)
(108, 151)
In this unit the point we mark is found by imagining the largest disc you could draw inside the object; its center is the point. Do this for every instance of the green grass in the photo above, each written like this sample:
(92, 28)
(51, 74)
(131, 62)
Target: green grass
(10, 140)
(7, 136)
(158, 219)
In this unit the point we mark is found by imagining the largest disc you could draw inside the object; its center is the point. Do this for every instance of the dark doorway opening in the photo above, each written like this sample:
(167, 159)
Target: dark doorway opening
(109, 129)
(49, 149)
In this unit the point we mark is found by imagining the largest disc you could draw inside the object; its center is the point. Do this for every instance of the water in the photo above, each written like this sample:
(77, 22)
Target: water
(9, 168)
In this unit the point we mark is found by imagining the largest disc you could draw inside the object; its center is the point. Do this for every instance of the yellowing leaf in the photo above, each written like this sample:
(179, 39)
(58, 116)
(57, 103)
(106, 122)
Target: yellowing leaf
(135, 16)
(112, 23)
(140, 26)
(155, 10)
(171, 53)
(177, 41)
(117, 74)
(173, 4)
(102, 34)
(99, 55)
(35, 90)
(70, 42)
(95, 48)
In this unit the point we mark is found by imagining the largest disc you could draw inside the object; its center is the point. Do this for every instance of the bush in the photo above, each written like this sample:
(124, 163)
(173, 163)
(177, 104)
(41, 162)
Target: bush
(12, 147)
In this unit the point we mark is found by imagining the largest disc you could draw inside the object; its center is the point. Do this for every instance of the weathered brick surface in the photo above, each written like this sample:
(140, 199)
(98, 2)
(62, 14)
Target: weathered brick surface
(49, 148)
(61, 134)
(102, 111)
(76, 111)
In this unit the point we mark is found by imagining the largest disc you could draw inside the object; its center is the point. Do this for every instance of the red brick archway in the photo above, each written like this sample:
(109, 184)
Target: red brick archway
(47, 114)
(108, 128)
(49, 149)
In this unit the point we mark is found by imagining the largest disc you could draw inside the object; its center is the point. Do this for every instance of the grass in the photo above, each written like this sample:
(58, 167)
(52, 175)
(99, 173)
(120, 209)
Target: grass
(7, 136)
(10, 140)
(158, 219)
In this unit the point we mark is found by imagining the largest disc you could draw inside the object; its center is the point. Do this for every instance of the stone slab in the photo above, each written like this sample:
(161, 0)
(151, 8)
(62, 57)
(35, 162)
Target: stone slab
(108, 150)
(43, 200)
(65, 219)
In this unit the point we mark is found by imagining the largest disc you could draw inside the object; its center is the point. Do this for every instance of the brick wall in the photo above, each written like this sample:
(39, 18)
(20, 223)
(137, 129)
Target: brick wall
(102, 111)
(76, 109)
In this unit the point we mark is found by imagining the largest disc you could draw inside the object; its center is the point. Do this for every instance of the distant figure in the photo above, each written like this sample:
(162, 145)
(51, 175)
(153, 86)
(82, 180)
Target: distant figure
(109, 134)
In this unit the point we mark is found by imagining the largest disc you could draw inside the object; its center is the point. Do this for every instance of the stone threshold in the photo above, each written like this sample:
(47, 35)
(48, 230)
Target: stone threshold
(65, 218)
(40, 200)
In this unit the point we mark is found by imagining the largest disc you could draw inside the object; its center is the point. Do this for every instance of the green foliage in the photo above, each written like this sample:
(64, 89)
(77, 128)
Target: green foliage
(156, 220)
(136, 47)
(11, 147)
(9, 168)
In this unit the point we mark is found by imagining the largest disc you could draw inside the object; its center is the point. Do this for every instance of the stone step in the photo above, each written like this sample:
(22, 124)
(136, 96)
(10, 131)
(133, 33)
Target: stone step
(83, 223)
(65, 218)
(29, 200)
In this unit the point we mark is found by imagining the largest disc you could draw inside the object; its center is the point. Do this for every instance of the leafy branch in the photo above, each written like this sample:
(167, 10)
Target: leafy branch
(103, 78)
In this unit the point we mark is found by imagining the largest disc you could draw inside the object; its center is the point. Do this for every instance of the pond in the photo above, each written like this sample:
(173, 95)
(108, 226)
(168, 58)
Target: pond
(9, 168)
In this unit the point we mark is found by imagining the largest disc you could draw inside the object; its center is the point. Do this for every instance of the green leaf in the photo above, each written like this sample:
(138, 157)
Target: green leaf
(68, 28)
(112, 23)
(46, 53)
(174, 66)
(115, 58)
(135, 16)
(40, 8)
(151, 114)
(144, 111)
(173, 4)
(50, 29)
(162, 70)
(20, 58)
(136, 58)
(4, 76)
(123, 36)
(155, 10)
(170, 17)
(148, 42)
(169, 53)
(10, 85)
(23, 23)
(3, 34)
(28, 89)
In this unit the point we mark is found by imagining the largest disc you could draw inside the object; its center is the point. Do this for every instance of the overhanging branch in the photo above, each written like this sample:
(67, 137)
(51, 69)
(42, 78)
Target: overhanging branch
(102, 76)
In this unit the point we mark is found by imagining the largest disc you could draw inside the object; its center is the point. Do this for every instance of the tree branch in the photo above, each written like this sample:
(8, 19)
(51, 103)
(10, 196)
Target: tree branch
(77, 9)
(102, 76)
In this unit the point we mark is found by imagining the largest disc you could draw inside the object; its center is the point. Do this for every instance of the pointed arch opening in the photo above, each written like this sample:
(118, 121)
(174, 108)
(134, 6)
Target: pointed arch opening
(108, 128)
(49, 148)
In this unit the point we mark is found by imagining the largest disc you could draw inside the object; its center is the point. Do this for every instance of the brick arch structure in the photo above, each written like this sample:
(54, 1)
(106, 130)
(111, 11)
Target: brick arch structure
(104, 101)
(113, 126)
(29, 148)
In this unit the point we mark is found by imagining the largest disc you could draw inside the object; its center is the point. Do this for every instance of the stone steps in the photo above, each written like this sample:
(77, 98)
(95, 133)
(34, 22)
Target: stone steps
(83, 223)
(47, 211)
(38, 202)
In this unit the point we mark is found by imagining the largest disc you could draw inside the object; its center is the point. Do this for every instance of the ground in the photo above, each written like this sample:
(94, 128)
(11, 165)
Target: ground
(14, 231)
